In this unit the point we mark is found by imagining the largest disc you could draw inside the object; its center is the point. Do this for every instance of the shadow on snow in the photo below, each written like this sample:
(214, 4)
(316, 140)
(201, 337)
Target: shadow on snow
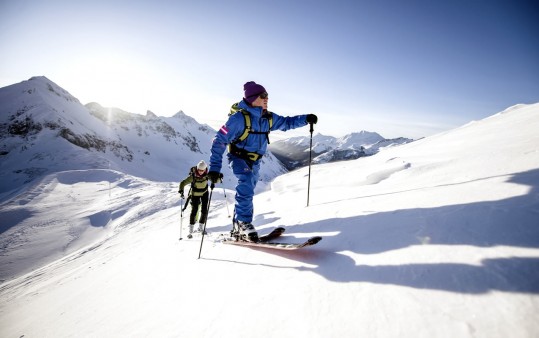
(512, 222)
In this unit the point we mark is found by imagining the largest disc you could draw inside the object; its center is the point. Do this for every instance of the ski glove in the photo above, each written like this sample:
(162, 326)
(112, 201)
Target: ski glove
(215, 177)
(311, 118)
(181, 193)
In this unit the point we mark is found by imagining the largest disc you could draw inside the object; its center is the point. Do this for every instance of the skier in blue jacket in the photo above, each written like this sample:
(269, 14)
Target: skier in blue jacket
(246, 148)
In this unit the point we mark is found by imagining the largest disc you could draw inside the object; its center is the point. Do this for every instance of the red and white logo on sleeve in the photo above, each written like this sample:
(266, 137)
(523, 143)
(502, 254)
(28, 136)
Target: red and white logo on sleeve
(224, 130)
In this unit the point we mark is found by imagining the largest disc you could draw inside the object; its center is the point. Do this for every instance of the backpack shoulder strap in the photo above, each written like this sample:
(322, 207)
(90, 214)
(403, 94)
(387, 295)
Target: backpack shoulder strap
(248, 125)
(247, 118)
(270, 120)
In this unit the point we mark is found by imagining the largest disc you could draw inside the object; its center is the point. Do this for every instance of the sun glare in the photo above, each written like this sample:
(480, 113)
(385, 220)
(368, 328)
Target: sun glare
(113, 81)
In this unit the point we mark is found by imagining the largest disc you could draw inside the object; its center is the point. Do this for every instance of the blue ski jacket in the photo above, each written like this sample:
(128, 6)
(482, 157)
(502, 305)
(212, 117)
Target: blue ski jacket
(254, 143)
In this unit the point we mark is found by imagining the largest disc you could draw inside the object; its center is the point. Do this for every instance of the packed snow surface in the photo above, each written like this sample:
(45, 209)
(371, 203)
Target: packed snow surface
(436, 238)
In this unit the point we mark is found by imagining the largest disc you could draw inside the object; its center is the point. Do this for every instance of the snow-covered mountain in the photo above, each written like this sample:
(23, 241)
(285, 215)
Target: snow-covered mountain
(435, 238)
(294, 152)
(44, 130)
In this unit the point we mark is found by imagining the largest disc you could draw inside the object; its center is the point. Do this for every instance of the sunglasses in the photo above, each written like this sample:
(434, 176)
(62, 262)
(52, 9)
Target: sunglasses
(264, 95)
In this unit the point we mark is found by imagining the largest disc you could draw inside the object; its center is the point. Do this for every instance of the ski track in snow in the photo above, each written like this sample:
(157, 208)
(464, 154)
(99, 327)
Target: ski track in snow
(379, 176)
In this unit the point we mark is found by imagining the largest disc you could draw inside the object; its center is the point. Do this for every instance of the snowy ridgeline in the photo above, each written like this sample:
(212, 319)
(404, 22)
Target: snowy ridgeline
(435, 238)
(43, 130)
(294, 152)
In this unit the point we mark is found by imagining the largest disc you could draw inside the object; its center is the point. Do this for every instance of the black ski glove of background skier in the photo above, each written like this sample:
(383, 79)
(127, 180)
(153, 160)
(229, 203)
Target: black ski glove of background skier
(215, 177)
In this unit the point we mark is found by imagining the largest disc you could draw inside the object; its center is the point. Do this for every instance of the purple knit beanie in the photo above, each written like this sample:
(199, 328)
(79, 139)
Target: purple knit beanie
(252, 90)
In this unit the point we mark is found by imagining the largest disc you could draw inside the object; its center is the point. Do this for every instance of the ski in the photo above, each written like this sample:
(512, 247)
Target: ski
(264, 238)
(279, 246)
(272, 235)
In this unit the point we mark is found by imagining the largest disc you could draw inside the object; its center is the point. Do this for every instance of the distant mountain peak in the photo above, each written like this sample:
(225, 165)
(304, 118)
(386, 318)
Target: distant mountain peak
(39, 78)
(43, 86)
(180, 114)
(184, 117)
(294, 152)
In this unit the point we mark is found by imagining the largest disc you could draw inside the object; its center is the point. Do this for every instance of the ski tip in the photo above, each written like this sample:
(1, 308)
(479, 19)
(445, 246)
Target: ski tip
(314, 240)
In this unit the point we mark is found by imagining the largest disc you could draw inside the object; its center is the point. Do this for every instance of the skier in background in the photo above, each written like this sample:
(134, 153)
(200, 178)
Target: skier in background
(198, 194)
(245, 152)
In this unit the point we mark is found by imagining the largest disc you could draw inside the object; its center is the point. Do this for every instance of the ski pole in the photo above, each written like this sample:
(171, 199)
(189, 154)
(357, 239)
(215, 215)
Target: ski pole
(187, 202)
(181, 217)
(310, 160)
(206, 220)
(226, 202)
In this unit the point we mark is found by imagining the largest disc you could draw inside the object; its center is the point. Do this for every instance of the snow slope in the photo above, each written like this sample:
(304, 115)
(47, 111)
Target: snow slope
(435, 238)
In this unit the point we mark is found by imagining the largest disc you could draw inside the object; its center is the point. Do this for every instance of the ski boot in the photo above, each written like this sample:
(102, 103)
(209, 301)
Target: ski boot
(191, 227)
(201, 229)
(247, 232)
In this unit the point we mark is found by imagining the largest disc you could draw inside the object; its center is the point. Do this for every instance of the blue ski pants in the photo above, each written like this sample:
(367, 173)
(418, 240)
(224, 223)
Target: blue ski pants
(247, 174)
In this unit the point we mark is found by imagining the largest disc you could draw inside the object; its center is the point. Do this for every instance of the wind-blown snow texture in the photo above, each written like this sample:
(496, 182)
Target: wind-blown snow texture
(436, 238)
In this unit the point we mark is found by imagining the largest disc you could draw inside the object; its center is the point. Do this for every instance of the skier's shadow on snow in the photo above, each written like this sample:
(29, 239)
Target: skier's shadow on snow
(512, 222)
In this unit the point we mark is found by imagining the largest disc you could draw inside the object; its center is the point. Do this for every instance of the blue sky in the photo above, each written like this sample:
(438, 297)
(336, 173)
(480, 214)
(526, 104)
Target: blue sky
(400, 68)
